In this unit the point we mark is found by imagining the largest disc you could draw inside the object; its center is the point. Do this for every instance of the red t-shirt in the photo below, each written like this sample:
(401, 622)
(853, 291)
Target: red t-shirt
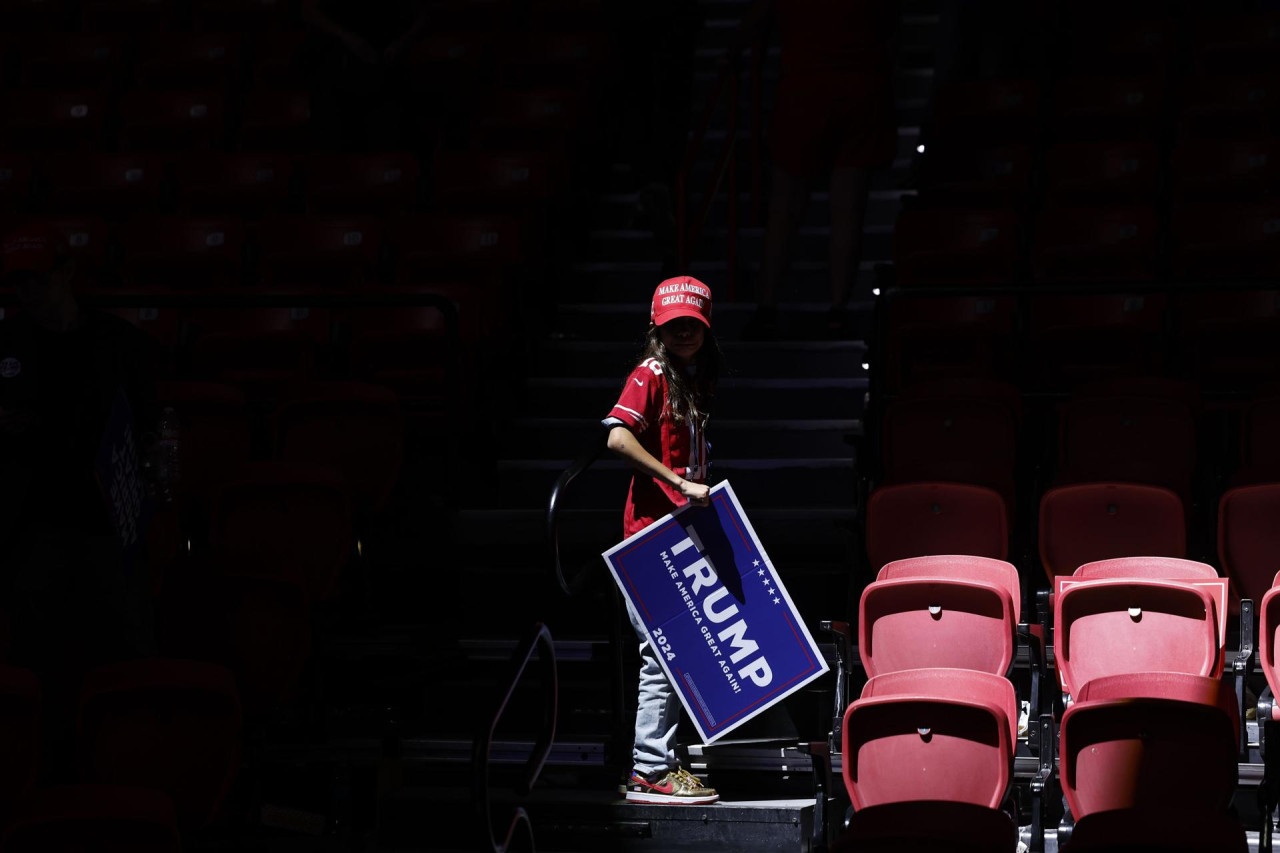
(642, 407)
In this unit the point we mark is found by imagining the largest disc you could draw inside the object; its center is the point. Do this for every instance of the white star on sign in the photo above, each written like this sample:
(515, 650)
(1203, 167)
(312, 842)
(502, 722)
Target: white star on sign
(776, 600)
(761, 572)
(771, 592)
(755, 562)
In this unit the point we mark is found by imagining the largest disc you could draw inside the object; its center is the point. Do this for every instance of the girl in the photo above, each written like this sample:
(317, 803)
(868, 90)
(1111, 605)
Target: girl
(657, 425)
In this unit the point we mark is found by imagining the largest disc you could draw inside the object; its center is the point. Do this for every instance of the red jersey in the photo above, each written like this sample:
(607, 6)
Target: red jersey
(642, 406)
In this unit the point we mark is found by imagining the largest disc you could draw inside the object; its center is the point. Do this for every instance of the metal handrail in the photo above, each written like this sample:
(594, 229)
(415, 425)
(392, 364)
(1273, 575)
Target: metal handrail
(688, 232)
(538, 640)
(589, 455)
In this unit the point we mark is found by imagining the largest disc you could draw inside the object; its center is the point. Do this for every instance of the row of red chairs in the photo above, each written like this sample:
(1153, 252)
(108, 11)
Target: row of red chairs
(1149, 738)
(255, 185)
(1079, 523)
(993, 247)
(169, 726)
(270, 118)
(292, 251)
(1107, 107)
(1222, 337)
(1114, 172)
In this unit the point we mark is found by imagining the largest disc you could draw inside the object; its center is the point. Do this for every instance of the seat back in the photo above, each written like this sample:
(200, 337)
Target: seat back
(961, 567)
(1268, 625)
(967, 685)
(913, 623)
(963, 441)
(1088, 522)
(105, 818)
(1248, 538)
(1156, 568)
(172, 726)
(916, 519)
(1154, 741)
(920, 747)
(1117, 627)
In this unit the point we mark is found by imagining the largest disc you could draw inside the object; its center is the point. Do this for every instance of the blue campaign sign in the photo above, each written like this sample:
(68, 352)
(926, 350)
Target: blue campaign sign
(726, 631)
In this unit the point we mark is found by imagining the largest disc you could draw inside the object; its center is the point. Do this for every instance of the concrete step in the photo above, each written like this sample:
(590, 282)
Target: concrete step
(787, 399)
(614, 359)
(565, 438)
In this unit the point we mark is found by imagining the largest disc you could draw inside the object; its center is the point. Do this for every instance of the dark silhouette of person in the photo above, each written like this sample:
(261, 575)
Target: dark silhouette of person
(76, 399)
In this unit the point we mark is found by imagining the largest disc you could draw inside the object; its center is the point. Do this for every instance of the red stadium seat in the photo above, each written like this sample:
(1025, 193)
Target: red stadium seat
(1268, 639)
(206, 60)
(1230, 106)
(172, 726)
(1124, 626)
(431, 246)
(279, 58)
(1229, 336)
(162, 325)
(1259, 455)
(276, 120)
(72, 61)
(1123, 46)
(38, 120)
(924, 826)
(1127, 439)
(302, 253)
(947, 337)
(960, 567)
(1109, 108)
(1248, 539)
(918, 519)
(403, 348)
(954, 439)
(986, 175)
(933, 739)
(87, 238)
(182, 254)
(1160, 743)
(356, 429)
(538, 119)
(234, 612)
(106, 818)
(489, 182)
(247, 185)
(20, 726)
(1130, 830)
(1088, 522)
(1232, 43)
(1003, 110)
(259, 349)
(1226, 169)
(993, 391)
(1096, 244)
(361, 183)
(923, 622)
(106, 184)
(955, 246)
(453, 67)
(286, 519)
(1102, 172)
(173, 120)
(1155, 568)
(1080, 337)
(1226, 241)
(554, 58)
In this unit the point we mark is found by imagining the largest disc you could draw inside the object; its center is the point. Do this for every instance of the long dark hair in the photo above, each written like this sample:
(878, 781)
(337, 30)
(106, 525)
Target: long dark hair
(689, 398)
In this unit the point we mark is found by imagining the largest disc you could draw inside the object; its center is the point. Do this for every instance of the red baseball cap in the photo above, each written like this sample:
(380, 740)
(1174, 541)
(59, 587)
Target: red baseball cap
(34, 248)
(682, 296)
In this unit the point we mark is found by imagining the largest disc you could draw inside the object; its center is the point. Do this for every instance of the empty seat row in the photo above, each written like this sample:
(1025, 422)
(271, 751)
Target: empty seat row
(942, 247)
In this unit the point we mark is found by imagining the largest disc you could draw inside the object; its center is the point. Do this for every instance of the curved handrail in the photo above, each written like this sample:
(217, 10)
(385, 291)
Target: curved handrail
(584, 461)
(538, 640)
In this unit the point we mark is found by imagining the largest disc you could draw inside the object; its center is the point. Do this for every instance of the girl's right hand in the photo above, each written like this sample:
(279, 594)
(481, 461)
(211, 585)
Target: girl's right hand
(699, 494)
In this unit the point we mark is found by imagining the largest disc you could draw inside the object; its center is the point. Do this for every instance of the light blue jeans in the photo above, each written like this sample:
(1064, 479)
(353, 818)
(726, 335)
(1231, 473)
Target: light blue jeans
(657, 710)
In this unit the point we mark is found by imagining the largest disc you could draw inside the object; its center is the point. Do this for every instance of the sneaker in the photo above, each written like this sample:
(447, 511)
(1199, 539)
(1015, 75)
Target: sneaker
(674, 787)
